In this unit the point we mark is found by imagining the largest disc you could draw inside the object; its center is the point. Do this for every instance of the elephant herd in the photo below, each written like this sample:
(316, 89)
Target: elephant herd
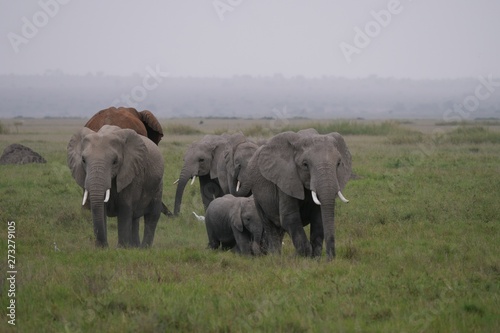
(253, 192)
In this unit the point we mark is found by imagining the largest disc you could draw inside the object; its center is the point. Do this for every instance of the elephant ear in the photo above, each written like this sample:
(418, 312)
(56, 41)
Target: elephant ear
(345, 169)
(134, 154)
(217, 145)
(153, 126)
(236, 216)
(276, 164)
(74, 157)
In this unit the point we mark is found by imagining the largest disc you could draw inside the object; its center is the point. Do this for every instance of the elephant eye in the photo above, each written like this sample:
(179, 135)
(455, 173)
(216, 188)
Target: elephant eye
(83, 160)
(338, 163)
(201, 160)
(115, 161)
(305, 165)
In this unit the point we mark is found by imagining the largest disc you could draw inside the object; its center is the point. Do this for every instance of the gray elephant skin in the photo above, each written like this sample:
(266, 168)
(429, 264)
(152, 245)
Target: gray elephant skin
(239, 150)
(234, 223)
(295, 179)
(201, 160)
(121, 173)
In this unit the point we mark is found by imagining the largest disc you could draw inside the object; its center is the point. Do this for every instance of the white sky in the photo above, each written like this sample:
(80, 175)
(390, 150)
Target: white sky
(425, 39)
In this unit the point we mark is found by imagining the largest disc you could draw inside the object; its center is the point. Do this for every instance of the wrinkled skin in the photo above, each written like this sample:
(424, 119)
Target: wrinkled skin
(282, 174)
(144, 122)
(239, 150)
(203, 159)
(234, 223)
(131, 167)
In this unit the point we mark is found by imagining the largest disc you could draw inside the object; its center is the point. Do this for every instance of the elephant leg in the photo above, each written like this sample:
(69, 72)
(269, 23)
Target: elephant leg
(213, 244)
(316, 231)
(292, 223)
(243, 243)
(150, 222)
(229, 245)
(134, 236)
(124, 229)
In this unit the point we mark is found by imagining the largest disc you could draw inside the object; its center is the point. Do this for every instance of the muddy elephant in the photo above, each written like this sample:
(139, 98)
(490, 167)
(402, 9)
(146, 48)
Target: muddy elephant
(203, 159)
(143, 122)
(121, 173)
(234, 223)
(295, 179)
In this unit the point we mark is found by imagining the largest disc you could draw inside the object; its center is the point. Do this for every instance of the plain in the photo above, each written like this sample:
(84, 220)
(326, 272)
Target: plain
(417, 246)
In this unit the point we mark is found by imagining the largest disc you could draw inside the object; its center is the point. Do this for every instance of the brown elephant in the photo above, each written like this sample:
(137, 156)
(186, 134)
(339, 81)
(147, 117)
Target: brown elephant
(143, 122)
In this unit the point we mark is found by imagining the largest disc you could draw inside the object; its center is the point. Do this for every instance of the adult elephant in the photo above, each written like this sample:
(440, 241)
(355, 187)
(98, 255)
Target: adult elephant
(295, 179)
(239, 150)
(203, 159)
(143, 122)
(121, 173)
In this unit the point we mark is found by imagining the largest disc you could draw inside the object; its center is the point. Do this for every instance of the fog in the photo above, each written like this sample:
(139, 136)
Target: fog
(326, 58)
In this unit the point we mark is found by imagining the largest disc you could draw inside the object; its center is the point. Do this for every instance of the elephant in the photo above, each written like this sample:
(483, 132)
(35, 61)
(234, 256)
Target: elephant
(203, 159)
(144, 122)
(238, 152)
(234, 222)
(295, 179)
(121, 173)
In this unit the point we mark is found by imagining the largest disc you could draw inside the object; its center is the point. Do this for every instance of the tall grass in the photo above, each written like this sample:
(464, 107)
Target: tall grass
(3, 128)
(473, 134)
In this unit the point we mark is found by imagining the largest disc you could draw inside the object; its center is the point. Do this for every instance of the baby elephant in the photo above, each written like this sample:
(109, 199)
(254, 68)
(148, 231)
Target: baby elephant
(235, 223)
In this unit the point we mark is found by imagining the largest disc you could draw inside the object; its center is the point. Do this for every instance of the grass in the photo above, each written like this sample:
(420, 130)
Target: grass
(473, 134)
(417, 250)
(180, 129)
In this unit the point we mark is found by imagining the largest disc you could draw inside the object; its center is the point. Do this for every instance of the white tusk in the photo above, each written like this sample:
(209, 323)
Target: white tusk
(106, 199)
(85, 195)
(238, 186)
(175, 182)
(315, 198)
(192, 181)
(342, 197)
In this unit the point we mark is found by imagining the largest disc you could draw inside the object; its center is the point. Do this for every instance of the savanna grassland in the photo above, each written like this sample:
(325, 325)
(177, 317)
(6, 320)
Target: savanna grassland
(417, 246)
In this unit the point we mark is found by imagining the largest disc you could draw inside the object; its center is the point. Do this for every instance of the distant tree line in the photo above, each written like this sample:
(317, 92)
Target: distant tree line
(58, 95)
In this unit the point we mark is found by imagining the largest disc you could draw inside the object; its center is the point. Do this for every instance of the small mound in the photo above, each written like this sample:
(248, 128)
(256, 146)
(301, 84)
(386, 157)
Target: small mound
(19, 154)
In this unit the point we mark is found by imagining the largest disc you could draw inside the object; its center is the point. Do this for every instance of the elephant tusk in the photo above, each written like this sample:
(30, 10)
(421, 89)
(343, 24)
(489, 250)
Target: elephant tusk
(175, 182)
(315, 198)
(342, 197)
(85, 195)
(106, 199)
(238, 186)
(192, 181)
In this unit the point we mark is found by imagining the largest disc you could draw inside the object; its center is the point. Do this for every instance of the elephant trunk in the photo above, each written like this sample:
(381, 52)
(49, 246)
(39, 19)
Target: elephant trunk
(97, 188)
(327, 188)
(181, 184)
(99, 219)
(257, 242)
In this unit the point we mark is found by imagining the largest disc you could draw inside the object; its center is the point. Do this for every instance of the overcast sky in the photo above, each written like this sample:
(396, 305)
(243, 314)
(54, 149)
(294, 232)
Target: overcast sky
(389, 38)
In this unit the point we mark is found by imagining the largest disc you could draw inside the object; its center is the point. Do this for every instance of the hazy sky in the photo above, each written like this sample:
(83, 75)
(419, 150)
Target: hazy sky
(402, 39)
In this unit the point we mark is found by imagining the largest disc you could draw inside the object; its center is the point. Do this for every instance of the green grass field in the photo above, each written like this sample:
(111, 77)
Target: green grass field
(417, 246)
